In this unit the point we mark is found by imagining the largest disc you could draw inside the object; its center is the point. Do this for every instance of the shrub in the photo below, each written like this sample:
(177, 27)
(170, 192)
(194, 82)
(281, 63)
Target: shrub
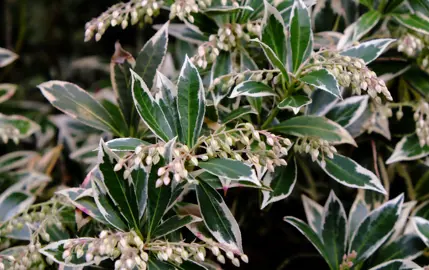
(269, 95)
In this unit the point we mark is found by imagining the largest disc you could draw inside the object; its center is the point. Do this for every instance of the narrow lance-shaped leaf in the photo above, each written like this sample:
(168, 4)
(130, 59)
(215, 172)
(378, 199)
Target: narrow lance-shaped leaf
(222, 66)
(218, 218)
(7, 90)
(314, 214)
(230, 169)
(349, 110)
(397, 264)
(314, 126)
(140, 179)
(190, 103)
(238, 113)
(7, 57)
(369, 50)
(152, 55)
(421, 226)
(408, 148)
(252, 89)
(174, 223)
(334, 230)
(149, 110)
(413, 22)
(349, 173)
(13, 203)
(281, 181)
(295, 103)
(323, 80)
(301, 35)
(357, 213)
(408, 246)
(77, 103)
(273, 32)
(375, 229)
(272, 58)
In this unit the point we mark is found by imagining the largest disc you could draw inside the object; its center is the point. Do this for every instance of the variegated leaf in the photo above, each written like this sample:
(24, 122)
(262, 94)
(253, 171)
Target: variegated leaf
(347, 111)
(314, 214)
(273, 31)
(369, 50)
(295, 103)
(21, 127)
(272, 58)
(174, 223)
(7, 90)
(324, 80)
(414, 22)
(252, 89)
(421, 226)
(397, 264)
(6, 57)
(408, 148)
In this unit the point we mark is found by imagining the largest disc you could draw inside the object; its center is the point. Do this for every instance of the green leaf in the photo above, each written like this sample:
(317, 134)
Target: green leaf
(21, 127)
(349, 110)
(174, 223)
(392, 5)
(124, 144)
(272, 58)
(314, 214)
(16, 160)
(301, 35)
(349, 173)
(295, 103)
(121, 191)
(281, 181)
(152, 55)
(183, 32)
(418, 80)
(218, 218)
(273, 32)
(238, 113)
(360, 28)
(413, 22)
(140, 180)
(252, 89)
(190, 103)
(421, 226)
(396, 264)
(369, 50)
(7, 90)
(309, 234)
(77, 103)
(408, 148)
(150, 110)
(157, 201)
(357, 213)
(220, 10)
(222, 66)
(55, 250)
(13, 203)
(105, 204)
(375, 229)
(155, 264)
(334, 230)
(230, 169)
(322, 103)
(323, 80)
(225, 184)
(408, 247)
(314, 126)
(6, 57)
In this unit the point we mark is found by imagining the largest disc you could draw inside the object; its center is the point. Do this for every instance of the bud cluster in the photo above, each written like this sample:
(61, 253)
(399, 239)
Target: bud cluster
(24, 258)
(353, 72)
(121, 14)
(9, 132)
(347, 262)
(315, 147)
(183, 8)
(410, 44)
(179, 252)
(421, 116)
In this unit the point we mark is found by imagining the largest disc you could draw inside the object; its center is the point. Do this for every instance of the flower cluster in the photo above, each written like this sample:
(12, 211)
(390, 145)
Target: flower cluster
(129, 251)
(315, 147)
(243, 143)
(410, 44)
(351, 71)
(347, 262)
(121, 14)
(24, 258)
(183, 8)
(421, 116)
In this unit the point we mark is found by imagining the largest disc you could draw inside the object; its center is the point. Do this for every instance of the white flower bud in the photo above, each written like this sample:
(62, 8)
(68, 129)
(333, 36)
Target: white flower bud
(236, 262)
(200, 256)
(117, 167)
(89, 257)
(158, 182)
(230, 255)
(221, 259)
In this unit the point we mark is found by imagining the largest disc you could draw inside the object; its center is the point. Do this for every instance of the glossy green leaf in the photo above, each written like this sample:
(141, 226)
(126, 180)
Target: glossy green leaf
(413, 22)
(323, 80)
(314, 214)
(238, 113)
(295, 103)
(408, 148)
(360, 28)
(79, 104)
(252, 89)
(349, 173)
(301, 35)
(272, 58)
(230, 169)
(392, 5)
(190, 103)
(421, 226)
(397, 264)
(174, 223)
(13, 203)
(149, 109)
(348, 111)
(155, 264)
(281, 181)
(375, 229)
(183, 32)
(218, 218)
(314, 126)
(273, 32)
(357, 213)
(222, 66)
(124, 144)
(369, 50)
(6, 57)
(322, 102)
(7, 90)
(152, 55)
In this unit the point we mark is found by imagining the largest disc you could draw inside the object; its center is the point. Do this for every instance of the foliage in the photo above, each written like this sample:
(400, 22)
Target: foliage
(227, 97)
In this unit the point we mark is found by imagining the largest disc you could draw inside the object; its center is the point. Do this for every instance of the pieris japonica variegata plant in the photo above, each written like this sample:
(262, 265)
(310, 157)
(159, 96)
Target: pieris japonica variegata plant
(267, 95)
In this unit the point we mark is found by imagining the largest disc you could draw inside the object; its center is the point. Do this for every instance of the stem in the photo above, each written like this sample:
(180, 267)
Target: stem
(408, 182)
(270, 118)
